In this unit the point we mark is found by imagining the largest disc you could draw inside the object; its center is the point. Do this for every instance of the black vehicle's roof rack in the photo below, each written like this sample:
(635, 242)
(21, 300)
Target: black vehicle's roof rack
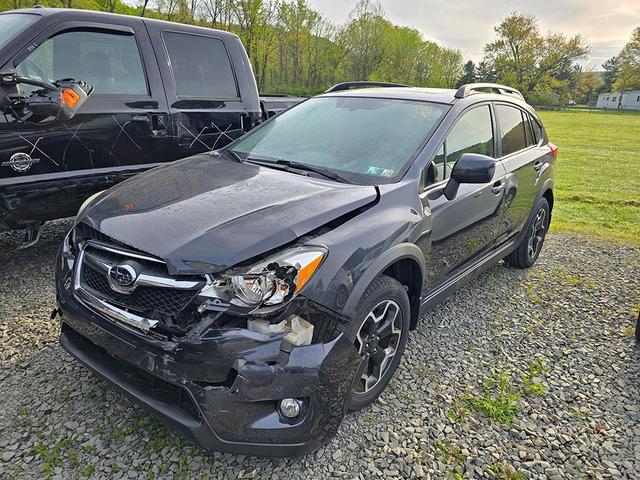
(361, 84)
(471, 88)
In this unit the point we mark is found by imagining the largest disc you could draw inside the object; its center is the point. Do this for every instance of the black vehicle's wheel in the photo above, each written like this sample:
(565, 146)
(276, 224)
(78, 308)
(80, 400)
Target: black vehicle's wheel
(380, 330)
(529, 249)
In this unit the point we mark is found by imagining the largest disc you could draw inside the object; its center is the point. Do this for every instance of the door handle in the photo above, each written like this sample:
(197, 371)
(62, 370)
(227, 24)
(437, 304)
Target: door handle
(497, 188)
(158, 124)
(537, 166)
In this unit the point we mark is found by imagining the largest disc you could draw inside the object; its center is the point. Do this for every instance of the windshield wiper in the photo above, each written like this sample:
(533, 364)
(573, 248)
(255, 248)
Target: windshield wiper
(289, 165)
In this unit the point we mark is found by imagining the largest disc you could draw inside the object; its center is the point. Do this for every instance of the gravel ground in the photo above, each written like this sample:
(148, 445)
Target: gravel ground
(548, 353)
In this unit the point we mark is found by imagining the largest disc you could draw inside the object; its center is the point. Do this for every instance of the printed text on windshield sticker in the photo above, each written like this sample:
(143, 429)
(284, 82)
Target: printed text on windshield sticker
(380, 172)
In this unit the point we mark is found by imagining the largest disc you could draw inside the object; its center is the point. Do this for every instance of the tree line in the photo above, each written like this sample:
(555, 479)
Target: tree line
(295, 49)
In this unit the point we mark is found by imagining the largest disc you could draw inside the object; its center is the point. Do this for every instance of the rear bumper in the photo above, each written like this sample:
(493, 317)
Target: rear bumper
(220, 389)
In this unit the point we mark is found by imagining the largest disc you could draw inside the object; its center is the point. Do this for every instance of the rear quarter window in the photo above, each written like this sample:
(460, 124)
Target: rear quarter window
(512, 129)
(201, 66)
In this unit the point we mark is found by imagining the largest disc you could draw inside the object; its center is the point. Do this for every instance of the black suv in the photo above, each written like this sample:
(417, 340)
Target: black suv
(252, 296)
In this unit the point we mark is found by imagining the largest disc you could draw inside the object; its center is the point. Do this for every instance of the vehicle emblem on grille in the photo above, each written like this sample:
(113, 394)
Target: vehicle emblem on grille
(122, 278)
(20, 162)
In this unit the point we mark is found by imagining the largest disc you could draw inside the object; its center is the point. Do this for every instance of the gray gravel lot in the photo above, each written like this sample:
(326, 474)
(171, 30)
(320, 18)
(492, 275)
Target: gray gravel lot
(577, 417)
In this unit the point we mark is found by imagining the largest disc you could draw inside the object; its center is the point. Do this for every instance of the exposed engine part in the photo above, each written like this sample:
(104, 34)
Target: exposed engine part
(299, 332)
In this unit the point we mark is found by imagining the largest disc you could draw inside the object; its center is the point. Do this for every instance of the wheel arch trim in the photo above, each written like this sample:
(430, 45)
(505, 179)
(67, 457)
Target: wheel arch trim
(402, 251)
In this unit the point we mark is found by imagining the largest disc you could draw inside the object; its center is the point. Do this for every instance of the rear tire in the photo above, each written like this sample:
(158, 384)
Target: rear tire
(380, 329)
(527, 252)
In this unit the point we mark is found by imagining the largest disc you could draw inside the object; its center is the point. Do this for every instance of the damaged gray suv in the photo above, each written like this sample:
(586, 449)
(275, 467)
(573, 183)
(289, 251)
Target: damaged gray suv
(251, 296)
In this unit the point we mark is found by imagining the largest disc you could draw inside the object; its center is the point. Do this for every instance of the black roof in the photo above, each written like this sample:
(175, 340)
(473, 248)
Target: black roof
(94, 15)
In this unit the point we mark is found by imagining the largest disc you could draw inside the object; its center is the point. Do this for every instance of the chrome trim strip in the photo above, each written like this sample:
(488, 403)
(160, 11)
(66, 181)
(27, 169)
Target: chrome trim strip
(107, 309)
(123, 316)
(122, 251)
(143, 279)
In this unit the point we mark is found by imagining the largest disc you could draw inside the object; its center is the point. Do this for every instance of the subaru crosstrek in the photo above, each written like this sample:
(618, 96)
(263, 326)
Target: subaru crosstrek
(253, 295)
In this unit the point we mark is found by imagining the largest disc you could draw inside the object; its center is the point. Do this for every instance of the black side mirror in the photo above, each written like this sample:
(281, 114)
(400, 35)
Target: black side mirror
(470, 168)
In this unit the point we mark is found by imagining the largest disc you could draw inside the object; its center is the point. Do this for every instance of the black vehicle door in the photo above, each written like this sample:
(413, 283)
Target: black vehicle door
(466, 226)
(202, 89)
(121, 129)
(524, 159)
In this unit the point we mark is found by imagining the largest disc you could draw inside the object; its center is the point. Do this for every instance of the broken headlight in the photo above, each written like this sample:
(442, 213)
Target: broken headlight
(270, 282)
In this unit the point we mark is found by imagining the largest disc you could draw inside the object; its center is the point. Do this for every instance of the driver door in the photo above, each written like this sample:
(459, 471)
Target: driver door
(465, 227)
(121, 129)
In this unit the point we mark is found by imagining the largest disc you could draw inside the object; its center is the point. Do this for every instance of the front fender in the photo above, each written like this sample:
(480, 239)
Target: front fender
(398, 252)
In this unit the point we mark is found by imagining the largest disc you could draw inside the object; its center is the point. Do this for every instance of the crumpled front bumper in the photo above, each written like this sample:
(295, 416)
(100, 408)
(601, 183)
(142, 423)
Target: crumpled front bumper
(220, 388)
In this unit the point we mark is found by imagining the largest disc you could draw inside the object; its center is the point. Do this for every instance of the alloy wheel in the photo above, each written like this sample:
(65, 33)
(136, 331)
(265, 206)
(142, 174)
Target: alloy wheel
(377, 342)
(536, 234)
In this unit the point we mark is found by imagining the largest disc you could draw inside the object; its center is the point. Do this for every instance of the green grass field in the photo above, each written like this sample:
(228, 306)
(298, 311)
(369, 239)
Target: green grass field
(598, 173)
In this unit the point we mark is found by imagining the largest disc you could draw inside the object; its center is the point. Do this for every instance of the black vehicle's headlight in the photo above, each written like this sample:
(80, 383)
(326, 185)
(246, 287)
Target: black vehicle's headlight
(270, 282)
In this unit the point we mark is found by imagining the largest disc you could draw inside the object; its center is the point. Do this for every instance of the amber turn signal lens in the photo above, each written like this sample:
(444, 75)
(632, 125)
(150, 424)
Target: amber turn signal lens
(305, 273)
(70, 97)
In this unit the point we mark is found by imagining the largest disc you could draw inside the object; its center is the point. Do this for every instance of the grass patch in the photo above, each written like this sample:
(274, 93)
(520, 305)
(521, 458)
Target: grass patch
(421, 370)
(500, 398)
(502, 471)
(52, 456)
(597, 188)
(451, 454)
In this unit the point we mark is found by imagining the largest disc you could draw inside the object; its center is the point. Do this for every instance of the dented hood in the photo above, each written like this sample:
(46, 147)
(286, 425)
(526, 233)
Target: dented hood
(206, 214)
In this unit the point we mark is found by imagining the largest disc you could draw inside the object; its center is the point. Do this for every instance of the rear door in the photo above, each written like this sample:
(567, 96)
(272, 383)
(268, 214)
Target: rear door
(466, 226)
(523, 158)
(119, 130)
(202, 88)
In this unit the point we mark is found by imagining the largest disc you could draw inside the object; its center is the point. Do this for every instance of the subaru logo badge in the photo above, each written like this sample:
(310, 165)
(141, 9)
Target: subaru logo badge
(122, 278)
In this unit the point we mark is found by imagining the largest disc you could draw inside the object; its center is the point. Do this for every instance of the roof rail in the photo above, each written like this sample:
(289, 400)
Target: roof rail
(471, 88)
(361, 84)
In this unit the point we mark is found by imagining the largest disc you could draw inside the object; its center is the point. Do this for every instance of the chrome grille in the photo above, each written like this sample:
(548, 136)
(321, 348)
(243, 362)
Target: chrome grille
(166, 301)
(155, 294)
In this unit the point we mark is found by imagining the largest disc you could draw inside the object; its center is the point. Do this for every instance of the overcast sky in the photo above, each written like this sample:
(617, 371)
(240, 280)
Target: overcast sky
(606, 25)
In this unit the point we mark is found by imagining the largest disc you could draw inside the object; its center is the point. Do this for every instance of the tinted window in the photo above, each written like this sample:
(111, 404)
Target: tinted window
(537, 130)
(527, 129)
(367, 140)
(473, 133)
(13, 23)
(110, 62)
(512, 129)
(439, 166)
(201, 66)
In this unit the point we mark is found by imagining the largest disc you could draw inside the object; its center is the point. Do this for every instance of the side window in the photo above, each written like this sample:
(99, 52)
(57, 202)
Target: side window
(473, 133)
(512, 129)
(537, 130)
(527, 129)
(201, 66)
(110, 62)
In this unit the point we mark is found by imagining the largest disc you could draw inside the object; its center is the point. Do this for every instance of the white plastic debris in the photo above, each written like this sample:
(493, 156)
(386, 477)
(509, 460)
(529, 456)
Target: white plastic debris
(299, 331)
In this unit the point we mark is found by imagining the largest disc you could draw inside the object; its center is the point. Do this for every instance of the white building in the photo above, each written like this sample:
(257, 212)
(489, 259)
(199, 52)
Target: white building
(612, 100)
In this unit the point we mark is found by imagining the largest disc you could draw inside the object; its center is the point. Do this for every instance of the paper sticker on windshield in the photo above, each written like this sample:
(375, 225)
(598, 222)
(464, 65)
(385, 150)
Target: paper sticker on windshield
(381, 172)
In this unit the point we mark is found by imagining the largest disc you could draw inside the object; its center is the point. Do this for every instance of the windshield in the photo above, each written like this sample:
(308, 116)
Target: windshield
(12, 24)
(365, 140)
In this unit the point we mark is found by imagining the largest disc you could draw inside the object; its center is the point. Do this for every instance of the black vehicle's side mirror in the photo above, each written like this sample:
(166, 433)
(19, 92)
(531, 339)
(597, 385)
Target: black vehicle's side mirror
(64, 96)
(73, 94)
(470, 168)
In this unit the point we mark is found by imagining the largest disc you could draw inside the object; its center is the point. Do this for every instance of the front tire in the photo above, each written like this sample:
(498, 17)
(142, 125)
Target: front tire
(380, 330)
(531, 244)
